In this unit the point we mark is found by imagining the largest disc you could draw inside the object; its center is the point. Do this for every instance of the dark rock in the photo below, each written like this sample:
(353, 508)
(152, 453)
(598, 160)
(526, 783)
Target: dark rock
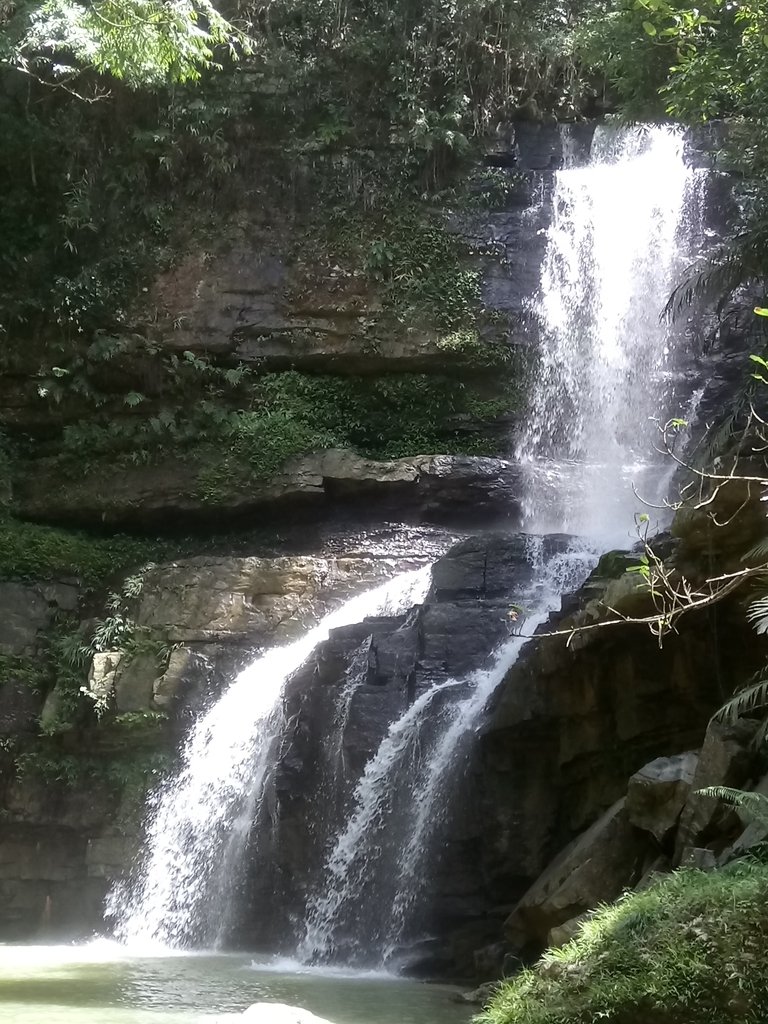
(341, 704)
(725, 760)
(657, 793)
(26, 609)
(597, 866)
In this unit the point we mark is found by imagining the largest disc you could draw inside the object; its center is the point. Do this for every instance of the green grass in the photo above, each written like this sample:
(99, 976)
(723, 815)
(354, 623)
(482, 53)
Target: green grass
(692, 949)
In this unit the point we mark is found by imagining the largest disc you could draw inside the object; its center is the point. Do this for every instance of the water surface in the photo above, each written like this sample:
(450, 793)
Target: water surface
(103, 984)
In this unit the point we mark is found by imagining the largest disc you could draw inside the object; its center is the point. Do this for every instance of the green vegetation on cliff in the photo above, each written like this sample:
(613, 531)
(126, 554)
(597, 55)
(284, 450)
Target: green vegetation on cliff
(33, 551)
(691, 949)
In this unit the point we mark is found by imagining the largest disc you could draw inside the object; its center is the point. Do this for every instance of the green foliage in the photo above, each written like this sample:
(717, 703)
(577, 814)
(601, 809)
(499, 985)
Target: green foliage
(93, 195)
(385, 417)
(423, 269)
(144, 42)
(51, 765)
(689, 949)
(139, 720)
(700, 61)
(753, 806)
(23, 669)
(32, 551)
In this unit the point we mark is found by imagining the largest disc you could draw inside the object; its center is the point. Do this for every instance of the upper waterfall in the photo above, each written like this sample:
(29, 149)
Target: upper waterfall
(623, 228)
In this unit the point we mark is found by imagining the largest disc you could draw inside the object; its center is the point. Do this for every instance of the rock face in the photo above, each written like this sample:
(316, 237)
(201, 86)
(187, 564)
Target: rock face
(567, 730)
(725, 760)
(595, 867)
(425, 488)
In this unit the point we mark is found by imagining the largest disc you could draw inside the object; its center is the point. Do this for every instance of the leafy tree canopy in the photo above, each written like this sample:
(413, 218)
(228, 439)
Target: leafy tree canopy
(142, 42)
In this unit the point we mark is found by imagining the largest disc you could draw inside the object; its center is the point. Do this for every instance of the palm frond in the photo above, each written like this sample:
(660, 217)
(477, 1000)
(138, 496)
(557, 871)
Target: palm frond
(757, 553)
(753, 805)
(749, 699)
(757, 614)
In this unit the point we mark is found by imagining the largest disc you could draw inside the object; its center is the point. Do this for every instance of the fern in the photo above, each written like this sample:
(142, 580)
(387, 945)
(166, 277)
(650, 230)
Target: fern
(753, 805)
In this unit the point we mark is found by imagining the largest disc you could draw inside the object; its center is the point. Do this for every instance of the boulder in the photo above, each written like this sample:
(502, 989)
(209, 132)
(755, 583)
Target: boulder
(725, 760)
(280, 1013)
(698, 857)
(755, 832)
(101, 676)
(657, 793)
(595, 867)
(189, 671)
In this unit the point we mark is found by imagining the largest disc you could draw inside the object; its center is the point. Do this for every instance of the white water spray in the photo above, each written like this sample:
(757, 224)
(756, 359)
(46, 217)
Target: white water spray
(199, 820)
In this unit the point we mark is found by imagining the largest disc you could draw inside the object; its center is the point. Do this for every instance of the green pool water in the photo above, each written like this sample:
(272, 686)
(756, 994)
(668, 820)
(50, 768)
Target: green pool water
(102, 984)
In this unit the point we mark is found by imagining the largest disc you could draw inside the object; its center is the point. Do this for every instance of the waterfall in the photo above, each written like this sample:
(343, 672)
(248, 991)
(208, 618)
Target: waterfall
(199, 820)
(622, 229)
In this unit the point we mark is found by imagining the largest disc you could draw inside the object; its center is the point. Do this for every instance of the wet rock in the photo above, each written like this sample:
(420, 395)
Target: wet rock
(341, 704)
(252, 600)
(657, 793)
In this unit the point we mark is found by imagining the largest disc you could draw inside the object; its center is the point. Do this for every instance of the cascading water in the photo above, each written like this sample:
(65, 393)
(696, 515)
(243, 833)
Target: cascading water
(622, 229)
(199, 820)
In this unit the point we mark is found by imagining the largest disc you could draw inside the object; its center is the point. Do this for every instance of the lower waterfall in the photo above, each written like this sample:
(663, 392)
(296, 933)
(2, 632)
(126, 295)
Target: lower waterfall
(622, 228)
(198, 821)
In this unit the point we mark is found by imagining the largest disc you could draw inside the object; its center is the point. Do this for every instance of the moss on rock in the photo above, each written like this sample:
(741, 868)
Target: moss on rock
(691, 949)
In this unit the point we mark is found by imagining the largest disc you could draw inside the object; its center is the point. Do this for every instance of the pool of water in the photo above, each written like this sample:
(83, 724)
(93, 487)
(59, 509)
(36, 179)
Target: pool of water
(101, 983)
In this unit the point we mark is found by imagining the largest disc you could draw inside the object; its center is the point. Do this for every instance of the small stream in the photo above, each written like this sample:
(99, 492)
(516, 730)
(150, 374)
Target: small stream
(101, 983)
